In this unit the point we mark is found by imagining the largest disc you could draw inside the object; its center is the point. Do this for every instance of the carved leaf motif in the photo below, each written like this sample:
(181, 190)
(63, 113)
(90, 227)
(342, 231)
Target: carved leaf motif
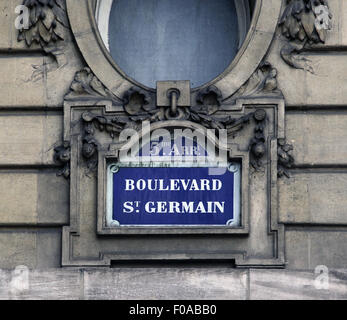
(47, 20)
(86, 83)
(304, 22)
(322, 34)
(60, 13)
(44, 33)
(308, 19)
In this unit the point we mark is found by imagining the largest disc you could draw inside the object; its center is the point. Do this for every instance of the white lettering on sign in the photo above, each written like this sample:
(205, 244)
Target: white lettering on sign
(163, 207)
(184, 207)
(173, 185)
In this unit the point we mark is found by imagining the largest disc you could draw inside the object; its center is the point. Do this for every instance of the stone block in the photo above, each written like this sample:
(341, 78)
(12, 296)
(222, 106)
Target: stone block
(165, 283)
(307, 248)
(33, 248)
(296, 285)
(314, 197)
(318, 137)
(33, 197)
(29, 138)
(325, 85)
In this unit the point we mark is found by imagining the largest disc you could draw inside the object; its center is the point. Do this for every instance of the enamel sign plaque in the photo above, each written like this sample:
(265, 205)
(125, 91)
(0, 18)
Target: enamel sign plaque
(162, 193)
(173, 196)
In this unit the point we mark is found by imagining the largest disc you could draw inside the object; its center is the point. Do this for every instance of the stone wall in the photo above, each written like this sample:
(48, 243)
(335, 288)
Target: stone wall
(34, 202)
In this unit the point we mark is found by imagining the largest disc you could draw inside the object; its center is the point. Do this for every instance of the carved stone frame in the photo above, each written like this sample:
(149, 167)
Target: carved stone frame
(233, 154)
(86, 243)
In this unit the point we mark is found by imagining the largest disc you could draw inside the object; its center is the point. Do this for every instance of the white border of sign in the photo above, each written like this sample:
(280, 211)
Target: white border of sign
(112, 168)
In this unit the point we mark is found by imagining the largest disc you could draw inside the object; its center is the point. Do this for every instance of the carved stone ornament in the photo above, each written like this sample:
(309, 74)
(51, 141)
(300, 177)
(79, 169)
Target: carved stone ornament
(285, 158)
(62, 156)
(304, 23)
(257, 145)
(86, 84)
(113, 125)
(138, 106)
(262, 83)
(49, 28)
(47, 20)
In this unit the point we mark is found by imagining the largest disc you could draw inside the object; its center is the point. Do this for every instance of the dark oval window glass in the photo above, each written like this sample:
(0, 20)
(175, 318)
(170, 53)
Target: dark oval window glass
(153, 40)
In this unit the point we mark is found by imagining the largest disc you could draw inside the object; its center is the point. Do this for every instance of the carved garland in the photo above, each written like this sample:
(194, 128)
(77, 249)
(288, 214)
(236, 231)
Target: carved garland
(47, 20)
(113, 125)
(62, 156)
(138, 106)
(304, 23)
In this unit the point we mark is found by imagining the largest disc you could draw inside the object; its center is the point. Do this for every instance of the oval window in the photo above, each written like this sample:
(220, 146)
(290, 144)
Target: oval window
(156, 40)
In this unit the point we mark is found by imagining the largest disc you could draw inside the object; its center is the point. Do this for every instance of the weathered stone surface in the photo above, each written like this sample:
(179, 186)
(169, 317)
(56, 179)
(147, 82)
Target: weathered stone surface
(33, 197)
(60, 73)
(16, 201)
(308, 247)
(295, 285)
(21, 86)
(17, 248)
(34, 248)
(139, 283)
(325, 86)
(338, 34)
(318, 137)
(314, 197)
(29, 138)
(53, 194)
(41, 284)
(165, 284)
(36, 80)
(169, 284)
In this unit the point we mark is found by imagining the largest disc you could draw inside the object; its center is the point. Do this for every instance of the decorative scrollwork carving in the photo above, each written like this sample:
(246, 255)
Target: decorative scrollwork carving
(285, 158)
(62, 156)
(262, 83)
(47, 20)
(303, 23)
(207, 116)
(86, 84)
(139, 106)
(210, 96)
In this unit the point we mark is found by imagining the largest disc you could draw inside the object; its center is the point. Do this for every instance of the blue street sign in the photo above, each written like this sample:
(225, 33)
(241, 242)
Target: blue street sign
(173, 196)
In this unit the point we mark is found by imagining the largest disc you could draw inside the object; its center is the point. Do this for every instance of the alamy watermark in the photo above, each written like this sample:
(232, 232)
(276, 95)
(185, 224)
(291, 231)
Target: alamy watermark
(22, 21)
(321, 281)
(179, 146)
